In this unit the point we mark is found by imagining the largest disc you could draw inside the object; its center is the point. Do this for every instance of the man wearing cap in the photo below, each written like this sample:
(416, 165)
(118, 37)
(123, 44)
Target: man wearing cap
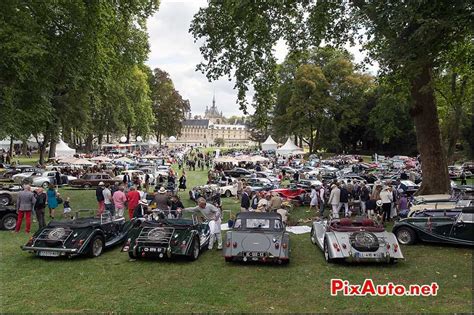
(275, 202)
(100, 198)
(211, 213)
(335, 199)
(133, 196)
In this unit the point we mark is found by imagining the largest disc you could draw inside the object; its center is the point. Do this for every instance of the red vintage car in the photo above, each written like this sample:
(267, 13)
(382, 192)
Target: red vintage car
(290, 192)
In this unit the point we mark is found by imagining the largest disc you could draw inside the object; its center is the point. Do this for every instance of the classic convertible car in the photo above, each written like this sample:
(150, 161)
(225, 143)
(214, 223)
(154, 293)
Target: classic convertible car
(167, 238)
(89, 236)
(457, 229)
(259, 237)
(355, 240)
(290, 192)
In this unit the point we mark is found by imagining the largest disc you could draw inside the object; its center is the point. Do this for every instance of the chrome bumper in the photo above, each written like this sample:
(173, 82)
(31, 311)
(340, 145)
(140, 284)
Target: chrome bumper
(49, 249)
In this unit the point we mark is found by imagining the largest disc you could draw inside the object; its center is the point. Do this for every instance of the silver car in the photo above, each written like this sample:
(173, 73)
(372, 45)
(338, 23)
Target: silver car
(257, 237)
(356, 240)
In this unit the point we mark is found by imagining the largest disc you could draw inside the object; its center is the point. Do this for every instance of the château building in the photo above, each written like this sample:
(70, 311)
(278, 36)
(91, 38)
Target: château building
(206, 130)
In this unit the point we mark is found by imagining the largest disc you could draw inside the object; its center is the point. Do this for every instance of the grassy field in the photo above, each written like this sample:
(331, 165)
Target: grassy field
(112, 283)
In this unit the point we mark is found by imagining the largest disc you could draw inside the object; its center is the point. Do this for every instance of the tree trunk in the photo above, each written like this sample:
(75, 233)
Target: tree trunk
(425, 116)
(88, 143)
(42, 148)
(129, 131)
(52, 149)
(11, 148)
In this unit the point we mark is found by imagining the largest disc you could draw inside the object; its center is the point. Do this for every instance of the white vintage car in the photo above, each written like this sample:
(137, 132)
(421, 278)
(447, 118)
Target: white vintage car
(356, 240)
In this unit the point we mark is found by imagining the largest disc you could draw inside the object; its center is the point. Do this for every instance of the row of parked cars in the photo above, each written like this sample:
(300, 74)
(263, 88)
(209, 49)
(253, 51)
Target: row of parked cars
(254, 237)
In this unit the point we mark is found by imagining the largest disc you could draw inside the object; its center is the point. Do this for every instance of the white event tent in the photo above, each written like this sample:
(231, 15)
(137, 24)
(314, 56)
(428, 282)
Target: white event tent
(269, 144)
(289, 148)
(63, 150)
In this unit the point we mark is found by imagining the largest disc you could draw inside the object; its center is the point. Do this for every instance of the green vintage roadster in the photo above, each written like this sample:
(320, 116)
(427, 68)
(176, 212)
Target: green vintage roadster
(167, 238)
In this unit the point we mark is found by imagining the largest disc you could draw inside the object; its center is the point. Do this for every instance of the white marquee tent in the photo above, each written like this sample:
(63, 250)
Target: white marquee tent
(269, 144)
(62, 149)
(289, 148)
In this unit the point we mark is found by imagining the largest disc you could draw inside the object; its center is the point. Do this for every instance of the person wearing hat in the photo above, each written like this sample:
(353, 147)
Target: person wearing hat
(335, 200)
(133, 197)
(100, 198)
(364, 196)
(211, 213)
(162, 200)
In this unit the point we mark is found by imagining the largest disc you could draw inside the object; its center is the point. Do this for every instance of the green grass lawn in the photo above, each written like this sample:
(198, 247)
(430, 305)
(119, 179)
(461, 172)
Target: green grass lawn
(112, 283)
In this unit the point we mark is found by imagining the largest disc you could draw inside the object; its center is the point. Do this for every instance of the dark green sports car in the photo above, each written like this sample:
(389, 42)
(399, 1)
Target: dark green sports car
(457, 229)
(84, 236)
(165, 238)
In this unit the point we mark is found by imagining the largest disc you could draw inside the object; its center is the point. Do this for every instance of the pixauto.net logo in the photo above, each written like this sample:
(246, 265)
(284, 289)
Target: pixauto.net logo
(343, 287)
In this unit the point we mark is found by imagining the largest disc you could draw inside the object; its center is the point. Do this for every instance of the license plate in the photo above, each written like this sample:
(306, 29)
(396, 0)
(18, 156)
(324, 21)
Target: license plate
(368, 255)
(45, 253)
(254, 254)
(152, 249)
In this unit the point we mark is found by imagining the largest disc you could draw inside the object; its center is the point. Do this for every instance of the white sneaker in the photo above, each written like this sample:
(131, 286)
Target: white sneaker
(219, 247)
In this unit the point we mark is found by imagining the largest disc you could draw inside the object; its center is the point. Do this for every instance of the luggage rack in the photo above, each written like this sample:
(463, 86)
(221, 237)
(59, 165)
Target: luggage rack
(160, 235)
(60, 235)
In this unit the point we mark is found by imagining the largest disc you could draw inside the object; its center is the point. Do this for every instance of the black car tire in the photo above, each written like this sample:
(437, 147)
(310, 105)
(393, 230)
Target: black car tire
(393, 261)
(96, 246)
(45, 185)
(132, 255)
(406, 235)
(9, 221)
(87, 186)
(195, 250)
(228, 259)
(311, 236)
(5, 200)
(228, 193)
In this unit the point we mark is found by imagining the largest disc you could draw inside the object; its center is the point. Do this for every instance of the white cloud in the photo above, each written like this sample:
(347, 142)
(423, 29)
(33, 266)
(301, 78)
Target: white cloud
(174, 51)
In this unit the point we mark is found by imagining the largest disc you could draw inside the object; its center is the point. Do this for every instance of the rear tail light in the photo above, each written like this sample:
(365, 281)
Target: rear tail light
(336, 246)
(344, 246)
(277, 245)
(395, 247)
(284, 245)
(388, 246)
(174, 242)
(227, 244)
(235, 244)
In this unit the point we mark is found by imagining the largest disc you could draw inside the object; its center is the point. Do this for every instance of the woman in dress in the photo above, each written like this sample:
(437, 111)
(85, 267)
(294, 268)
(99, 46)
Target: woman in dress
(314, 198)
(52, 200)
(182, 182)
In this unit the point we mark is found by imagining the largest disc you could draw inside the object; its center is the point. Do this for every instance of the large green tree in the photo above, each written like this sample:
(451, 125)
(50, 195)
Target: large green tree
(60, 60)
(169, 107)
(403, 36)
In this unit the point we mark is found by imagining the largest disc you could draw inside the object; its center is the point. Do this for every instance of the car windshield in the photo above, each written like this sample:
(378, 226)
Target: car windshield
(257, 223)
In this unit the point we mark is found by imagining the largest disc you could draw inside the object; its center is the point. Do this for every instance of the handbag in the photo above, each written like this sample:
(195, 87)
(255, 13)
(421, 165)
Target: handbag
(60, 200)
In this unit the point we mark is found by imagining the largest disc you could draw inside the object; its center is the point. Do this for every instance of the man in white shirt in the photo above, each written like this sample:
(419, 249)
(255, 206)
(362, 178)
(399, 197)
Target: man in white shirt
(386, 197)
(108, 202)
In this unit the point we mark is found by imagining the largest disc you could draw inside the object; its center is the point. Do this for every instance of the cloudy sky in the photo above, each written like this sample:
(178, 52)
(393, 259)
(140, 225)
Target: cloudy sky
(174, 51)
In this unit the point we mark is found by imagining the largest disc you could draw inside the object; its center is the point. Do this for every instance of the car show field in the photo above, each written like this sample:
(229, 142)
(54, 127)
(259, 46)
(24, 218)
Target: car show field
(114, 283)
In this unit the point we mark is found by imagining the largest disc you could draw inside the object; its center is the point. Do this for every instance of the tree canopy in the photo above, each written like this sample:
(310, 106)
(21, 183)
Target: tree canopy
(406, 38)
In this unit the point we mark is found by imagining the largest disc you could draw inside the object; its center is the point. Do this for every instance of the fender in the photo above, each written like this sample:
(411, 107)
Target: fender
(88, 240)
